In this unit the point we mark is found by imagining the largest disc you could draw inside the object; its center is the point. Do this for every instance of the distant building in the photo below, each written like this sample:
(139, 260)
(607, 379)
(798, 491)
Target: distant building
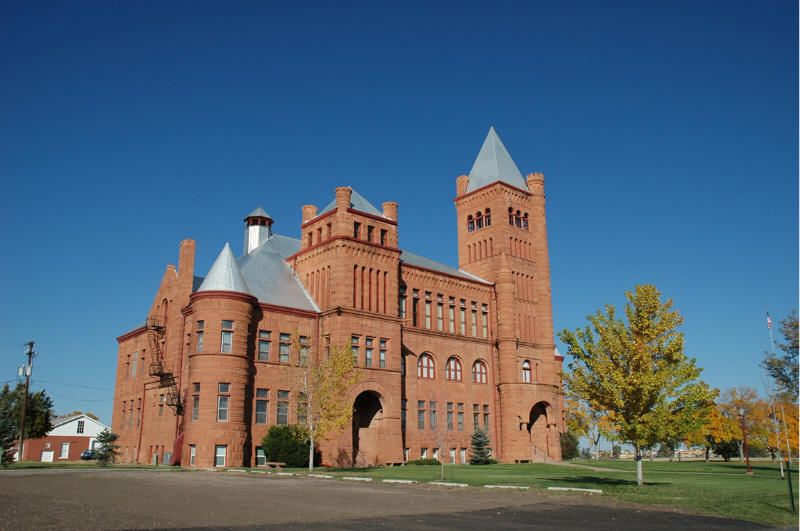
(470, 347)
(71, 435)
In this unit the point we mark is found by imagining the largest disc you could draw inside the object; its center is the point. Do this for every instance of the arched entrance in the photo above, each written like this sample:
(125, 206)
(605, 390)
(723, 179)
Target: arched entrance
(538, 430)
(367, 420)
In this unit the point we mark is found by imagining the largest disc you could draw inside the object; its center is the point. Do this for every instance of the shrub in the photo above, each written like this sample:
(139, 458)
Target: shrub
(107, 451)
(423, 462)
(288, 444)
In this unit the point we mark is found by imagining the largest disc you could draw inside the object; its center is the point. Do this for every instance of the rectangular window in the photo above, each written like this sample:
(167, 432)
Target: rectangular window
(80, 426)
(463, 455)
(133, 366)
(354, 349)
(261, 458)
(451, 314)
(264, 345)
(302, 407)
(449, 416)
(138, 412)
(440, 316)
(284, 347)
(474, 321)
(356, 230)
(452, 455)
(64, 451)
(485, 322)
(382, 354)
(368, 352)
(200, 327)
(383, 236)
(433, 415)
(304, 347)
(283, 408)
(420, 414)
(227, 337)
(195, 407)
(423, 453)
(161, 400)
(463, 317)
(476, 417)
(435, 453)
(370, 231)
(460, 417)
(405, 454)
(262, 405)
(219, 455)
(403, 412)
(402, 306)
(123, 415)
(427, 309)
(486, 418)
(192, 454)
(222, 408)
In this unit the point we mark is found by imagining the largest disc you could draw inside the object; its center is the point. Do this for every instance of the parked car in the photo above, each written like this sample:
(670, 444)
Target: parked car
(88, 455)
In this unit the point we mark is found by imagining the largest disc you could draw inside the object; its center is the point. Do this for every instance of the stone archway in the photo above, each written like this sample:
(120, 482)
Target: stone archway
(367, 424)
(539, 431)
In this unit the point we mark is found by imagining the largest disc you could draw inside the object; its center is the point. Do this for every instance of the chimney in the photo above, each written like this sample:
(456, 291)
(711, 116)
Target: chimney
(343, 194)
(461, 185)
(186, 259)
(390, 210)
(309, 212)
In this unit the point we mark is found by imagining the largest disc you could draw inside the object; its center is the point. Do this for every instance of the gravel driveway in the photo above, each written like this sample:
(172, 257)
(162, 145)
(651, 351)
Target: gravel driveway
(140, 499)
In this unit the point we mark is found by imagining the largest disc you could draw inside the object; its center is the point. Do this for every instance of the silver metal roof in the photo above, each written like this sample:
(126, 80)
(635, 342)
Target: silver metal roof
(224, 275)
(427, 263)
(494, 164)
(270, 278)
(258, 213)
(357, 202)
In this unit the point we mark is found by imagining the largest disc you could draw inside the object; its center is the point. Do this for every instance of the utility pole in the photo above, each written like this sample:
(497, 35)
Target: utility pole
(28, 368)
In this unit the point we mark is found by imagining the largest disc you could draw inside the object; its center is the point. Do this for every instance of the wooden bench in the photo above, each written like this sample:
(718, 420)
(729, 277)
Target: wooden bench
(272, 465)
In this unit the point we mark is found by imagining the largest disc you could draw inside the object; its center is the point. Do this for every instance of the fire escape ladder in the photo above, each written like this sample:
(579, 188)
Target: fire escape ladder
(156, 334)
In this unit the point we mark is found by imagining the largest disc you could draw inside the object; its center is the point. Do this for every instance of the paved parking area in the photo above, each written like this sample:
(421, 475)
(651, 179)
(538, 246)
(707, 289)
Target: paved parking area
(153, 499)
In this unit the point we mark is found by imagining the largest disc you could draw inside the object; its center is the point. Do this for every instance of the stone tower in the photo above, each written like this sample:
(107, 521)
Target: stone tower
(502, 237)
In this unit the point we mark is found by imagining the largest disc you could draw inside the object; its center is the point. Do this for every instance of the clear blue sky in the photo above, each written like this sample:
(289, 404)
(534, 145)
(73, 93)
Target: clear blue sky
(667, 133)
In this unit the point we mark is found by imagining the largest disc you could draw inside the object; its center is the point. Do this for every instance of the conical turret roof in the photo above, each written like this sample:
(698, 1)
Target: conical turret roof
(494, 164)
(224, 275)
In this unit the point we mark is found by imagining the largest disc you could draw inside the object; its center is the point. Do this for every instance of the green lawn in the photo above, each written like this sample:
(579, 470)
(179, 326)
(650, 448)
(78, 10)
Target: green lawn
(715, 488)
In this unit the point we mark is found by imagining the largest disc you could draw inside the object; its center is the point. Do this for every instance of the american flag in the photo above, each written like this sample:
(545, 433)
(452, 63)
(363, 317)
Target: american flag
(769, 321)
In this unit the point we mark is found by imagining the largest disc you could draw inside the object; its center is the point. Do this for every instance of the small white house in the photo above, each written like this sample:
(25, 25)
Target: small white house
(71, 435)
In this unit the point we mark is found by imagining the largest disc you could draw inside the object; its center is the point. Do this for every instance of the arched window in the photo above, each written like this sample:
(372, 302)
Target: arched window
(525, 221)
(518, 219)
(487, 217)
(479, 220)
(454, 369)
(526, 371)
(510, 216)
(425, 367)
(470, 224)
(479, 372)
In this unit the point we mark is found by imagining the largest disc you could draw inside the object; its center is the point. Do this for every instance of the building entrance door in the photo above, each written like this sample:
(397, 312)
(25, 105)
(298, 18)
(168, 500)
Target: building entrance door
(367, 419)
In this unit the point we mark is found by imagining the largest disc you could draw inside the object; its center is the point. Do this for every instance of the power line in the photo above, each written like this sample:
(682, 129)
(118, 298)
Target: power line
(82, 399)
(72, 385)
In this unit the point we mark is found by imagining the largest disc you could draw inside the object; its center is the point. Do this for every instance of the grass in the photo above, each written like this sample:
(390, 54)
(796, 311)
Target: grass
(76, 465)
(714, 488)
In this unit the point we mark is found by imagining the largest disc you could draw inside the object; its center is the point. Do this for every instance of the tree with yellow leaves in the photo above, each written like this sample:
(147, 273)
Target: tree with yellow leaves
(322, 383)
(636, 370)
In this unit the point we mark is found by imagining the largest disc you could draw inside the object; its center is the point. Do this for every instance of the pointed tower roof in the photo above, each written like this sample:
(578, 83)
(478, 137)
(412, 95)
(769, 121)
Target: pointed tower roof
(494, 164)
(258, 213)
(357, 202)
(224, 275)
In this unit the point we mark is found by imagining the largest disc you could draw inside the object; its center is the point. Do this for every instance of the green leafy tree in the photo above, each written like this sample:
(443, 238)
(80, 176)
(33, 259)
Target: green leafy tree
(8, 437)
(636, 370)
(479, 448)
(288, 444)
(783, 368)
(106, 450)
(38, 413)
(569, 445)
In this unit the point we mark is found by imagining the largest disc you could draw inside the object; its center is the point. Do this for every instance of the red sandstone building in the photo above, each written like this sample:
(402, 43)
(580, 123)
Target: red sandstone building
(469, 347)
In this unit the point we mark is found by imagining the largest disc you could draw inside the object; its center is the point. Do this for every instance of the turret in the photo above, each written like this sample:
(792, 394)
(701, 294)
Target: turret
(258, 229)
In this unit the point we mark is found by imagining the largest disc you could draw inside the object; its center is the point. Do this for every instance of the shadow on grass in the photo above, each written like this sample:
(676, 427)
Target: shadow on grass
(602, 481)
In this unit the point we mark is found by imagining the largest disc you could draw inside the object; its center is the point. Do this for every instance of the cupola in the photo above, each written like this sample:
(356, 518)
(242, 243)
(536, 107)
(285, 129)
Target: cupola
(257, 230)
